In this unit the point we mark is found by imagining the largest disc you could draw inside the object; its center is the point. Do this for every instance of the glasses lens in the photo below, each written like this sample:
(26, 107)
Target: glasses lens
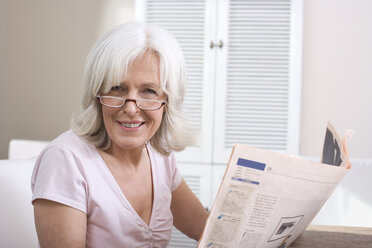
(112, 101)
(149, 104)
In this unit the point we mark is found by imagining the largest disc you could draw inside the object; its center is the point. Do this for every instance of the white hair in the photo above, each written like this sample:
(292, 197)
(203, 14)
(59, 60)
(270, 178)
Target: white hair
(107, 66)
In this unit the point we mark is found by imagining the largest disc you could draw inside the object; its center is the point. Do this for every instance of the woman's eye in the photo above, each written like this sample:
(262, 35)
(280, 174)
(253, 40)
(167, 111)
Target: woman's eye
(150, 91)
(116, 88)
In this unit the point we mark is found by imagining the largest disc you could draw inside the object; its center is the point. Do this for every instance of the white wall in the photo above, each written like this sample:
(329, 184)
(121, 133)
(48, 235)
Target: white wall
(337, 73)
(43, 45)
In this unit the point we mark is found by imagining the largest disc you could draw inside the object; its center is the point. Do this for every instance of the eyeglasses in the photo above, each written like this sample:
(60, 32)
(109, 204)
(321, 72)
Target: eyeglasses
(119, 102)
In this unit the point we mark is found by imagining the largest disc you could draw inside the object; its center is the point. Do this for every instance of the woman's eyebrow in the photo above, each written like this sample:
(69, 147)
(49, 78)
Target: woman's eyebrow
(151, 84)
(146, 84)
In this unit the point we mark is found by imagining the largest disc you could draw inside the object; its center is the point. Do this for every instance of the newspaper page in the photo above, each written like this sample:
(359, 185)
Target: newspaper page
(267, 199)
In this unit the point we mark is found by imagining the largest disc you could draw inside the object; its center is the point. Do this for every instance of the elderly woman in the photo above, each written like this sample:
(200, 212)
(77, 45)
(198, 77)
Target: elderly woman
(112, 181)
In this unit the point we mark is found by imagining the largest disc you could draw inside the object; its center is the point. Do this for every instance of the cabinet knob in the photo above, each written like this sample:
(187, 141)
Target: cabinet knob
(219, 44)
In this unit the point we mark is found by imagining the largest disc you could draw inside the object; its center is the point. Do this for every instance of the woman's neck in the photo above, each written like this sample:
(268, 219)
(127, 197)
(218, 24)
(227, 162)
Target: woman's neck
(131, 158)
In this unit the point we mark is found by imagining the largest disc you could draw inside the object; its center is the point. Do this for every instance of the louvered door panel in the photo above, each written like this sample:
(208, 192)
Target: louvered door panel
(258, 74)
(257, 81)
(185, 19)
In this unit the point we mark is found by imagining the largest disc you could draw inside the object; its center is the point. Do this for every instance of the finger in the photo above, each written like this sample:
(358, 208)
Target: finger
(346, 151)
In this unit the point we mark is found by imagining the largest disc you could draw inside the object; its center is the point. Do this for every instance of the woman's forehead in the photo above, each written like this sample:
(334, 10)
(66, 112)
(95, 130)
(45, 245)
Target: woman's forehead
(144, 65)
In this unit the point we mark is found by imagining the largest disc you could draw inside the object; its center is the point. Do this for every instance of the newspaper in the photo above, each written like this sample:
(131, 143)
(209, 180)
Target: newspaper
(267, 199)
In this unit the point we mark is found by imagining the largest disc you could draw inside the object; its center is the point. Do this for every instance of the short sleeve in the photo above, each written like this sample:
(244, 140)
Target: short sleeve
(58, 177)
(176, 175)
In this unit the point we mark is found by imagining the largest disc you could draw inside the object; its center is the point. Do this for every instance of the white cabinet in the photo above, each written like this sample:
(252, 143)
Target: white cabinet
(244, 71)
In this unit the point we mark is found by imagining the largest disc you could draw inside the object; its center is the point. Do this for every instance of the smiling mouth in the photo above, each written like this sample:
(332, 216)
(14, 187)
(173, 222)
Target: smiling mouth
(131, 125)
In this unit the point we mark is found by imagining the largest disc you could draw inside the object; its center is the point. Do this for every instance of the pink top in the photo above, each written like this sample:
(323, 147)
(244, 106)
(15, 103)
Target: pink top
(71, 171)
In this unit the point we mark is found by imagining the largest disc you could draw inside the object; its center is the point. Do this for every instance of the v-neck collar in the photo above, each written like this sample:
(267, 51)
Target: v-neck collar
(125, 202)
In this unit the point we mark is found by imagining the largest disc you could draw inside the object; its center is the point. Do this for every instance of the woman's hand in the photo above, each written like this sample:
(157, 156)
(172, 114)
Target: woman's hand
(346, 152)
(345, 139)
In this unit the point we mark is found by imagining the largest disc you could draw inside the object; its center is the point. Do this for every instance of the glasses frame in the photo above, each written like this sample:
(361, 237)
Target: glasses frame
(163, 102)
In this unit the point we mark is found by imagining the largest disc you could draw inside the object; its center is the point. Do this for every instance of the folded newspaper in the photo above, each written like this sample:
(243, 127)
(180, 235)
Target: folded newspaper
(267, 199)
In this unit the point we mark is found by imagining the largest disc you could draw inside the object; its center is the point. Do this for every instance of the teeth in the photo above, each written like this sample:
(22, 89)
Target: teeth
(130, 125)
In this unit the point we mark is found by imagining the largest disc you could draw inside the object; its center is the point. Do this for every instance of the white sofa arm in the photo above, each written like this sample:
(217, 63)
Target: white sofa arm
(17, 228)
(24, 149)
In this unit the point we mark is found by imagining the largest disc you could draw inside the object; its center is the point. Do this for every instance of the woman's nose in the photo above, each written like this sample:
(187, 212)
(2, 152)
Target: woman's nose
(130, 106)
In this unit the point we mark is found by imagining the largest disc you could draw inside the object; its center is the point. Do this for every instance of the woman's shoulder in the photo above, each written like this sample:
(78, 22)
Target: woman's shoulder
(68, 142)
(68, 138)
(68, 152)
(59, 174)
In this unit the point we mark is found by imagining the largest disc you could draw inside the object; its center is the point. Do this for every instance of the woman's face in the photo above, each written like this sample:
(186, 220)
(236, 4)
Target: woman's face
(130, 127)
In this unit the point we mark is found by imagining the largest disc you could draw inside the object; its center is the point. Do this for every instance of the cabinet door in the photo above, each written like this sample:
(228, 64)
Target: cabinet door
(258, 76)
(190, 21)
